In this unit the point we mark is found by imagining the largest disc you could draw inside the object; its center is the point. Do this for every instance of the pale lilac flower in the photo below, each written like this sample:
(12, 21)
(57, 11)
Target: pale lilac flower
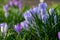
(59, 35)
(17, 28)
(16, 3)
(27, 16)
(5, 8)
(43, 11)
(14, 0)
(45, 17)
(24, 24)
(20, 4)
(42, 5)
(4, 28)
(10, 3)
(35, 9)
(51, 10)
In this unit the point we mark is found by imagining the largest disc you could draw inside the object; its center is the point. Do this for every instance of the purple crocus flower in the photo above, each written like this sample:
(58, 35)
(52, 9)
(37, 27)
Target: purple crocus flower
(42, 5)
(59, 35)
(43, 11)
(20, 4)
(18, 28)
(27, 15)
(45, 17)
(15, 3)
(51, 10)
(14, 0)
(10, 3)
(35, 9)
(25, 24)
(6, 8)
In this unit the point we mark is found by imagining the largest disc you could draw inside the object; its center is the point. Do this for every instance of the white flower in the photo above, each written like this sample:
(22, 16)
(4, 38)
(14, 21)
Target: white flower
(4, 28)
(6, 14)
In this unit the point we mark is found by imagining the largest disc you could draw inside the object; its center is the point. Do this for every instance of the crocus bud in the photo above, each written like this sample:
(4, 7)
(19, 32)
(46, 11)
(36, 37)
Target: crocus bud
(45, 17)
(55, 19)
(51, 10)
(59, 35)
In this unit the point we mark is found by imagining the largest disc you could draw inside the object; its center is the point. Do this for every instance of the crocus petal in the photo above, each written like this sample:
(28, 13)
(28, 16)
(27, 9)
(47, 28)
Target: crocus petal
(24, 25)
(59, 35)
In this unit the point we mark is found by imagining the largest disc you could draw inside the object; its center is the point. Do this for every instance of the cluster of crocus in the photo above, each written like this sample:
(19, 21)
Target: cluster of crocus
(43, 14)
(40, 10)
(4, 28)
(17, 3)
